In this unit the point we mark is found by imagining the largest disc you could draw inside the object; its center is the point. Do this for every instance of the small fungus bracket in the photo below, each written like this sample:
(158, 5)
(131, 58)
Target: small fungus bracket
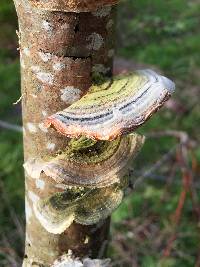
(114, 108)
(72, 5)
(82, 205)
(98, 166)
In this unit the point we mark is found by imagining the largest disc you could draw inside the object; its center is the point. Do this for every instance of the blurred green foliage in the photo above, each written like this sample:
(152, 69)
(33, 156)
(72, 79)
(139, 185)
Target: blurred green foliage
(164, 34)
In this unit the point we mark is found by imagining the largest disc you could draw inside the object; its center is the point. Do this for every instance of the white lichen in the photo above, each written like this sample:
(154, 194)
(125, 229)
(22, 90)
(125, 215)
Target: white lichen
(31, 127)
(69, 260)
(96, 262)
(33, 95)
(58, 66)
(47, 26)
(24, 131)
(42, 127)
(51, 146)
(44, 113)
(33, 168)
(68, 263)
(40, 184)
(22, 63)
(65, 26)
(70, 94)
(28, 210)
(45, 77)
(96, 41)
(45, 56)
(33, 197)
(26, 51)
(35, 68)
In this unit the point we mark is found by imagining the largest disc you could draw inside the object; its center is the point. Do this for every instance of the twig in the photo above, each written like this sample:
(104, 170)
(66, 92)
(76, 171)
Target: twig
(169, 181)
(18, 100)
(10, 126)
(187, 179)
(151, 170)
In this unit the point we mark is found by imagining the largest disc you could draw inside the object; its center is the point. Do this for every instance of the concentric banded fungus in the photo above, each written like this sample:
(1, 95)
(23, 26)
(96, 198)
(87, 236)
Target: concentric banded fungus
(72, 5)
(84, 206)
(115, 107)
(98, 166)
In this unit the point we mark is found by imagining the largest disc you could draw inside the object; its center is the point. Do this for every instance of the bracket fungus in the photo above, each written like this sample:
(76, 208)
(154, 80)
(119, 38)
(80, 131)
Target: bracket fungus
(72, 5)
(114, 108)
(100, 165)
(94, 164)
(83, 205)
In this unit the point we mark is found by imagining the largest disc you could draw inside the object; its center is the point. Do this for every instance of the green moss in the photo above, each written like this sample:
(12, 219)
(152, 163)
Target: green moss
(98, 78)
(61, 201)
(81, 143)
(100, 151)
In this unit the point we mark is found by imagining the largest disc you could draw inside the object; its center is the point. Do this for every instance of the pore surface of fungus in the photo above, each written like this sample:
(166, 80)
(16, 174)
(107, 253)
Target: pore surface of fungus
(100, 165)
(115, 107)
(82, 205)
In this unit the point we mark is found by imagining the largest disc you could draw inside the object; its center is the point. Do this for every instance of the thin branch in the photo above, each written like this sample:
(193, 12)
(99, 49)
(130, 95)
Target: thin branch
(9, 126)
(155, 167)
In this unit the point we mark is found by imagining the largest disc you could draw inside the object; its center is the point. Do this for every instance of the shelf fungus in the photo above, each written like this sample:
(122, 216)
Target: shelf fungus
(94, 164)
(83, 205)
(115, 107)
(89, 163)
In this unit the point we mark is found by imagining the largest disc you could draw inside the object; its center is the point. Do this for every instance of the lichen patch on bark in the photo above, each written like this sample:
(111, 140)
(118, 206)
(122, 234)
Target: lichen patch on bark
(70, 94)
(68, 260)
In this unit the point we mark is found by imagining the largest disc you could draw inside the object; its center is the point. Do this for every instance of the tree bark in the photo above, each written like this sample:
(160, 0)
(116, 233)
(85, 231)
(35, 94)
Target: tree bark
(59, 52)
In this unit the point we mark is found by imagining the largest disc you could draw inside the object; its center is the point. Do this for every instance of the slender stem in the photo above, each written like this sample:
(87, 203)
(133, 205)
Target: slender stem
(59, 52)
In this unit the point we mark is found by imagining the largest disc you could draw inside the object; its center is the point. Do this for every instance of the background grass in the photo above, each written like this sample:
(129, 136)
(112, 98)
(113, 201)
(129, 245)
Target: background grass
(165, 35)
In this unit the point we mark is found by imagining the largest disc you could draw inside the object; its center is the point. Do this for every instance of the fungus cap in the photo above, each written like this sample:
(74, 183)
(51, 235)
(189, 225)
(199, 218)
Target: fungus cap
(115, 107)
(90, 206)
(100, 166)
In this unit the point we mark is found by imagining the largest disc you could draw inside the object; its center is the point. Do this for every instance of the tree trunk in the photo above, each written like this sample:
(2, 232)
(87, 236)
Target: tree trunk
(60, 51)
(73, 184)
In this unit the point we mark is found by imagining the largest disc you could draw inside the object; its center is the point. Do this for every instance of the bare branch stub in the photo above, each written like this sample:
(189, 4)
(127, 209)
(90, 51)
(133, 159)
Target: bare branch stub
(73, 5)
